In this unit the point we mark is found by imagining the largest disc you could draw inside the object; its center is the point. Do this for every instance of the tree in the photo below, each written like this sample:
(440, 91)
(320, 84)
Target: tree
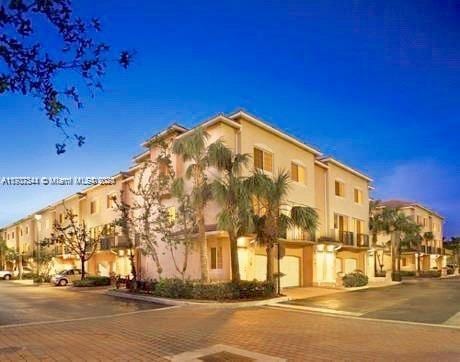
(193, 149)
(270, 222)
(398, 226)
(33, 69)
(234, 197)
(126, 224)
(183, 227)
(376, 226)
(413, 239)
(77, 238)
(5, 251)
(454, 245)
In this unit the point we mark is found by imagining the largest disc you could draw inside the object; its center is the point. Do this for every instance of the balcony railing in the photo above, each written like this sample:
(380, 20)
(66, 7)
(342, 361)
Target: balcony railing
(439, 251)
(362, 240)
(346, 237)
(106, 243)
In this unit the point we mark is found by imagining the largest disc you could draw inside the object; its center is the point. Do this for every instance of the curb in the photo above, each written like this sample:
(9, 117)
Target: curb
(212, 304)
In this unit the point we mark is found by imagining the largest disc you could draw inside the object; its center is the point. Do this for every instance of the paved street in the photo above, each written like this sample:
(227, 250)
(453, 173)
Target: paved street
(154, 334)
(25, 304)
(424, 301)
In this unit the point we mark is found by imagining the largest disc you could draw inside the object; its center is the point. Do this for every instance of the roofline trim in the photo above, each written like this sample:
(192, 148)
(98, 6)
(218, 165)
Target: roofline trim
(348, 168)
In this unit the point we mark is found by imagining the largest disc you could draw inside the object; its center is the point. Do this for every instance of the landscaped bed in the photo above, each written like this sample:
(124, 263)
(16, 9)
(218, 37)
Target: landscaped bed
(198, 291)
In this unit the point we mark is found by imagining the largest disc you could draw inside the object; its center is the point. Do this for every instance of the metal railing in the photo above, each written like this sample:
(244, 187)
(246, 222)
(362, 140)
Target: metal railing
(346, 237)
(362, 240)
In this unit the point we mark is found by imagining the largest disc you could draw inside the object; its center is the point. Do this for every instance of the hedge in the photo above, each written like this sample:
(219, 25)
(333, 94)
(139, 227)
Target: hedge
(356, 279)
(92, 281)
(189, 289)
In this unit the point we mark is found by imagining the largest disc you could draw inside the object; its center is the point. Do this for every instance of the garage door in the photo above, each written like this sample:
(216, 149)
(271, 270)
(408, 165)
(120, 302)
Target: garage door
(290, 267)
(261, 267)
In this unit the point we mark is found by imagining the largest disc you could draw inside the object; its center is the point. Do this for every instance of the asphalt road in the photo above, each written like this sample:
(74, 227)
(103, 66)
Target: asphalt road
(424, 301)
(25, 304)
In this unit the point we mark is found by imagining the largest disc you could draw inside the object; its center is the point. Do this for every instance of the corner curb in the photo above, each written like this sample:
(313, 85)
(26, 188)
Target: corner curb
(175, 302)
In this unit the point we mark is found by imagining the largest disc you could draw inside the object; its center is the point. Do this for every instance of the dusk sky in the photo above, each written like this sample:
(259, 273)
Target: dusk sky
(374, 84)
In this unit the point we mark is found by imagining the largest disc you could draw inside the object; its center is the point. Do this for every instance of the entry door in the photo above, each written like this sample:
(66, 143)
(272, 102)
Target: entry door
(350, 265)
(290, 267)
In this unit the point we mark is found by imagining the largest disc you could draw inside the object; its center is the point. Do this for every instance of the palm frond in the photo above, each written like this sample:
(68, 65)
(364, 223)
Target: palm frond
(305, 217)
(220, 156)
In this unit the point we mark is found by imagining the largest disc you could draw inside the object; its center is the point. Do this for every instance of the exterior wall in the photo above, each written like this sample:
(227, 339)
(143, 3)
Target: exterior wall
(284, 153)
(345, 205)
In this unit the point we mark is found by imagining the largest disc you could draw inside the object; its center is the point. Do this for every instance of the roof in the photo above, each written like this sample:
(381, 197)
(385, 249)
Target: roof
(275, 130)
(345, 167)
(398, 204)
(175, 127)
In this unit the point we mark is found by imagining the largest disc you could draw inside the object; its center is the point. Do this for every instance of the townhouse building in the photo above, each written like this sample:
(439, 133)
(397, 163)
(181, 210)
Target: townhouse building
(338, 192)
(430, 252)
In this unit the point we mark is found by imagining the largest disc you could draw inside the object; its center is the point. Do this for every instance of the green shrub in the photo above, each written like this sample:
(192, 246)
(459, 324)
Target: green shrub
(41, 279)
(187, 289)
(92, 281)
(356, 279)
(407, 273)
(430, 274)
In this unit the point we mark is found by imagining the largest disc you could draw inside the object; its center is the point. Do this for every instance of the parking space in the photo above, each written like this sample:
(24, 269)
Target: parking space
(25, 304)
(424, 301)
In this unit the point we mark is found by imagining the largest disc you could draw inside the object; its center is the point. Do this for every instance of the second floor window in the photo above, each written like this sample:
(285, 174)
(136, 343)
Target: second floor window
(93, 207)
(358, 196)
(263, 160)
(110, 203)
(297, 173)
(339, 188)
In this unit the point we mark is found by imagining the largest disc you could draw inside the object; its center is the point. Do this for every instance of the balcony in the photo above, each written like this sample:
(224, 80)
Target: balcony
(122, 242)
(362, 240)
(296, 233)
(423, 249)
(439, 251)
(346, 237)
(106, 243)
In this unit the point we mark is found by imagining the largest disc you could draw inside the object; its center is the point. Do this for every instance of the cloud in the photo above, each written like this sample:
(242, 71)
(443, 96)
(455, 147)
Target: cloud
(429, 182)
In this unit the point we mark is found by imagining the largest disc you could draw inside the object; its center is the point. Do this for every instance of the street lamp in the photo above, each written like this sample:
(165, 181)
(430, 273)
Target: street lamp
(37, 218)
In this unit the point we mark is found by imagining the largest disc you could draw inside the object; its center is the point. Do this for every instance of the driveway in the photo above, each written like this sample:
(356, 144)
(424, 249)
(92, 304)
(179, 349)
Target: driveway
(25, 304)
(424, 301)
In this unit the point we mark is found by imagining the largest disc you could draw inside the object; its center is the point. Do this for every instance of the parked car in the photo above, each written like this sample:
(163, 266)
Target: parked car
(6, 274)
(65, 277)
(25, 270)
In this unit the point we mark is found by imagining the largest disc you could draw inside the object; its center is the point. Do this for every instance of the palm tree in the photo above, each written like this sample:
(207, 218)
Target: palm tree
(3, 251)
(399, 226)
(414, 239)
(376, 226)
(192, 147)
(232, 194)
(271, 194)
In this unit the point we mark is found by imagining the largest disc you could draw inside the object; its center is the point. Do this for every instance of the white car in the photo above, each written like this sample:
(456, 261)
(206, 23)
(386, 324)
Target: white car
(65, 277)
(6, 274)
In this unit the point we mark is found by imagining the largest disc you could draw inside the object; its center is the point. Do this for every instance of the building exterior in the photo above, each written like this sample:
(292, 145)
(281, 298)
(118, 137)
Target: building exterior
(431, 253)
(339, 193)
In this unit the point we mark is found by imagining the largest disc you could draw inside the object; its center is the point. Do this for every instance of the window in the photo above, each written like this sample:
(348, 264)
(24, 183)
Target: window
(93, 206)
(216, 258)
(27, 230)
(263, 160)
(358, 195)
(12, 235)
(404, 261)
(424, 221)
(61, 218)
(297, 172)
(339, 188)
(163, 169)
(20, 231)
(172, 213)
(110, 203)
(419, 220)
(359, 226)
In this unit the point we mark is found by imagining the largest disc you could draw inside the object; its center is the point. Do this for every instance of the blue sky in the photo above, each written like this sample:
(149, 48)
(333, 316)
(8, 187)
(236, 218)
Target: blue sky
(373, 83)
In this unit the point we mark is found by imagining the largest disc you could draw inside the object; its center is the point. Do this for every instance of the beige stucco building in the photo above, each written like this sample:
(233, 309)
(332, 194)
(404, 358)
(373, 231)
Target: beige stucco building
(338, 192)
(431, 253)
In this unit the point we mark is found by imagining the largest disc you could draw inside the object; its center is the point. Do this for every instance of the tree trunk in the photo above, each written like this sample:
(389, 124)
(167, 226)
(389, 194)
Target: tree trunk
(269, 263)
(395, 260)
(132, 257)
(203, 246)
(234, 257)
(419, 259)
(82, 261)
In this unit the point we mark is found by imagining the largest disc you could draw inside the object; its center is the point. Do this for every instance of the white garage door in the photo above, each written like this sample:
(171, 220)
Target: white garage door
(350, 265)
(290, 267)
(261, 267)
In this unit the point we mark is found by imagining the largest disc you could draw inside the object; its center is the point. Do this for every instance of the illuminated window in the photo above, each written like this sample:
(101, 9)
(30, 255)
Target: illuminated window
(297, 173)
(216, 258)
(263, 160)
(339, 188)
(404, 261)
(358, 196)
(172, 213)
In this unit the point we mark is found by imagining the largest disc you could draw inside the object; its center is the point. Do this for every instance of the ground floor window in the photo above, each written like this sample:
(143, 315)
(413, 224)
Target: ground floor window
(216, 258)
